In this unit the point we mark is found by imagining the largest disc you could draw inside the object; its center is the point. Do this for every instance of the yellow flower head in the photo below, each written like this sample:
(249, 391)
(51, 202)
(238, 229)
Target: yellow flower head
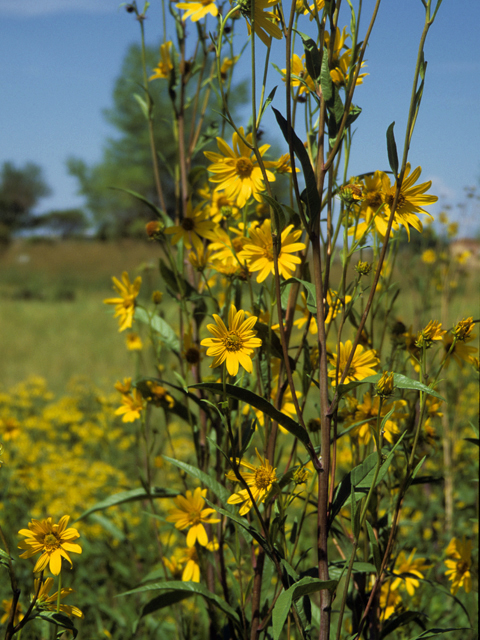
(125, 305)
(49, 603)
(53, 541)
(191, 514)
(458, 564)
(411, 200)
(134, 342)
(461, 352)
(236, 170)
(234, 345)
(408, 568)
(463, 329)
(194, 226)
(165, 66)
(9, 429)
(197, 9)
(300, 77)
(132, 406)
(362, 366)
(125, 386)
(258, 251)
(341, 58)
(159, 396)
(390, 599)
(260, 480)
(264, 21)
(429, 256)
(433, 331)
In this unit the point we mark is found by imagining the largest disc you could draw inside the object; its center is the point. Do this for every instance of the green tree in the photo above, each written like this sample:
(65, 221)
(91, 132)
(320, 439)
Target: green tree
(127, 162)
(20, 190)
(63, 222)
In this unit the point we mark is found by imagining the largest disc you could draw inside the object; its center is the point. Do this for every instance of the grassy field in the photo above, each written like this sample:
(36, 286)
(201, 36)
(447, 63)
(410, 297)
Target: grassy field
(53, 321)
(54, 324)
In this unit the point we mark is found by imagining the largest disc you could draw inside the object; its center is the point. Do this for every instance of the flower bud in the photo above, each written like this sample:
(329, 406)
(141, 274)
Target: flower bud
(385, 385)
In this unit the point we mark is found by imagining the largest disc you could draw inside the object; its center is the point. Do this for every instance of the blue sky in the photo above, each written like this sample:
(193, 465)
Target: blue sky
(60, 59)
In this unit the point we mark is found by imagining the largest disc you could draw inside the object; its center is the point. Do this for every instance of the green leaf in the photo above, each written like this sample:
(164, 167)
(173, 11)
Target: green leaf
(129, 496)
(4, 558)
(311, 292)
(160, 602)
(313, 201)
(250, 398)
(150, 205)
(438, 631)
(278, 212)
(190, 589)
(143, 105)
(313, 61)
(303, 587)
(326, 81)
(207, 480)
(249, 530)
(352, 479)
(375, 548)
(267, 102)
(401, 620)
(400, 381)
(60, 619)
(392, 150)
(161, 326)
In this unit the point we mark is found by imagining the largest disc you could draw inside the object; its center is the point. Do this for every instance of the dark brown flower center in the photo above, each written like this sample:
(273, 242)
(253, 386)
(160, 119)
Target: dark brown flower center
(244, 167)
(188, 224)
(192, 355)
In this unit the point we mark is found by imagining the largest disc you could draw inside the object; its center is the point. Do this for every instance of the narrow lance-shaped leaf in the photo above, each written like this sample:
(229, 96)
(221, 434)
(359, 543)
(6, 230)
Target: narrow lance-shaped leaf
(400, 382)
(313, 60)
(250, 398)
(312, 198)
(191, 588)
(392, 150)
(207, 480)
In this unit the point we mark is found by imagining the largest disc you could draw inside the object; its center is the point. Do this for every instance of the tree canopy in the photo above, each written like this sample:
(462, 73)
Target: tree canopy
(20, 190)
(126, 161)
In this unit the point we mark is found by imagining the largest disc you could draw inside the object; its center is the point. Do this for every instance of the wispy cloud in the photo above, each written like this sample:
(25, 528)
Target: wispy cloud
(32, 8)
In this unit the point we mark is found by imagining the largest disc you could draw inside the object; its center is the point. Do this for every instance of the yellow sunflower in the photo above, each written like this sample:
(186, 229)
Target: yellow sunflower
(53, 541)
(406, 569)
(258, 251)
(458, 564)
(462, 352)
(264, 21)
(234, 345)
(362, 366)
(194, 226)
(260, 480)
(236, 170)
(190, 512)
(125, 305)
(341, 60)
(299, 73)
(411, 201)
(197, 9)
(132, 406)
